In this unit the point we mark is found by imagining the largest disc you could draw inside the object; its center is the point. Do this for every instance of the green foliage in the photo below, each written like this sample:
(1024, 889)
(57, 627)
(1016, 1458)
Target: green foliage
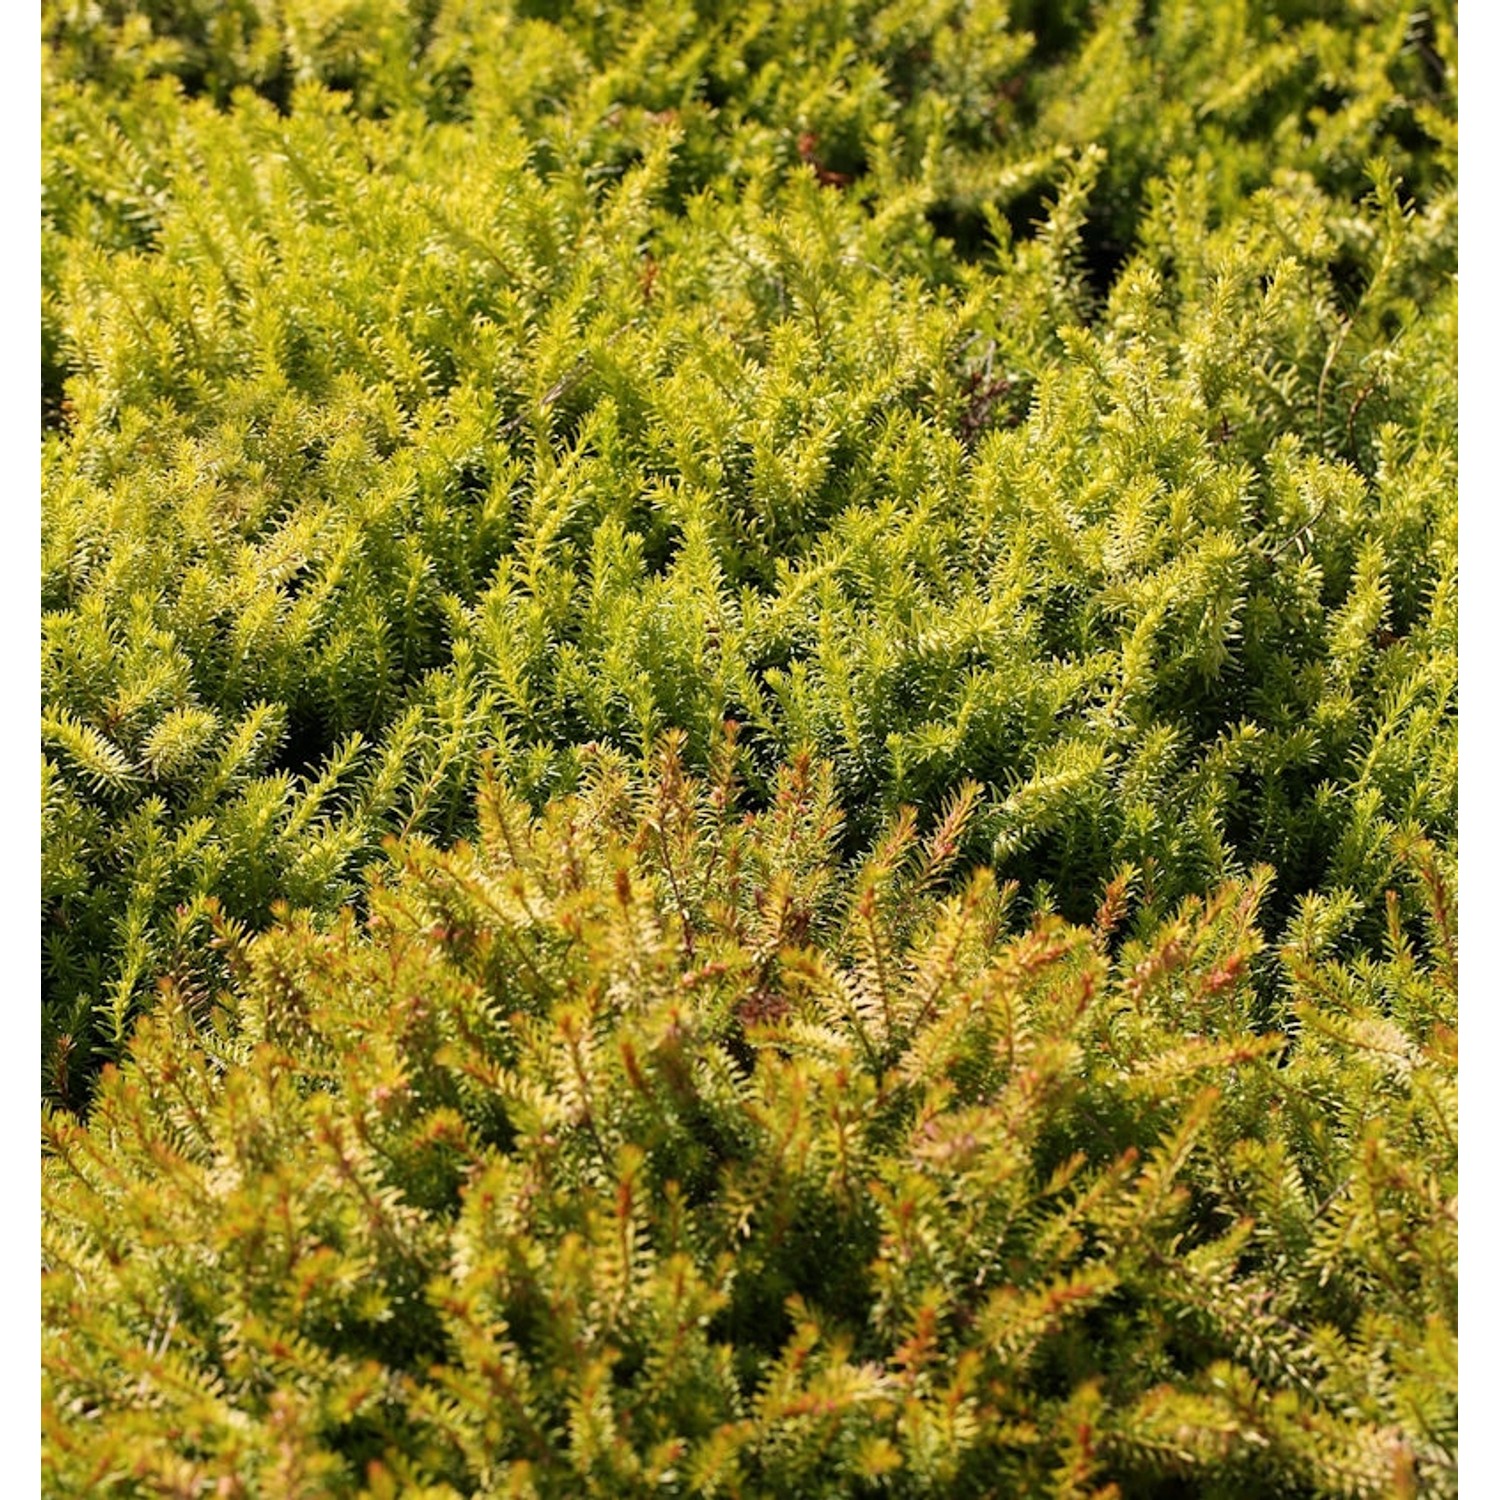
(872, 480)
(1054, 397)
(649, 1146)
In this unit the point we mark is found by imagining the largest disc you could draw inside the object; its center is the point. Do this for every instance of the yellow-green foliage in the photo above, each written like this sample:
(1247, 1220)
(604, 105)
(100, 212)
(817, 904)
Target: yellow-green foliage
(938, 517)
(642, 1149)
(1056, 396)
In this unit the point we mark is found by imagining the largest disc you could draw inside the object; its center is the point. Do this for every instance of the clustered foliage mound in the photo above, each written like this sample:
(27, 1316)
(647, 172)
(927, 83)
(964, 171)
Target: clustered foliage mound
(1030, 424)
(640, 1150)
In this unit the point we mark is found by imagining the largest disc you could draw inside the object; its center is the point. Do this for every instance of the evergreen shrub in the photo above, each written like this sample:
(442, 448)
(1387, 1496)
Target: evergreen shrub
(646, 1147)
(931, 525)
(1057, 398)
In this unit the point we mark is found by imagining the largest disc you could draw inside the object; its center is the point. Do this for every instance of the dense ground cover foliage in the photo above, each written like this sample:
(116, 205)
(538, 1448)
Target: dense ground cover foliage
(1037, 416)
(642, 1151)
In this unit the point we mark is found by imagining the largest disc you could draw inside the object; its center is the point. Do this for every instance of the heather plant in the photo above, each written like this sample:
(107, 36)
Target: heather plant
(649, 1146)
(932, 526)
(1058, 400)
